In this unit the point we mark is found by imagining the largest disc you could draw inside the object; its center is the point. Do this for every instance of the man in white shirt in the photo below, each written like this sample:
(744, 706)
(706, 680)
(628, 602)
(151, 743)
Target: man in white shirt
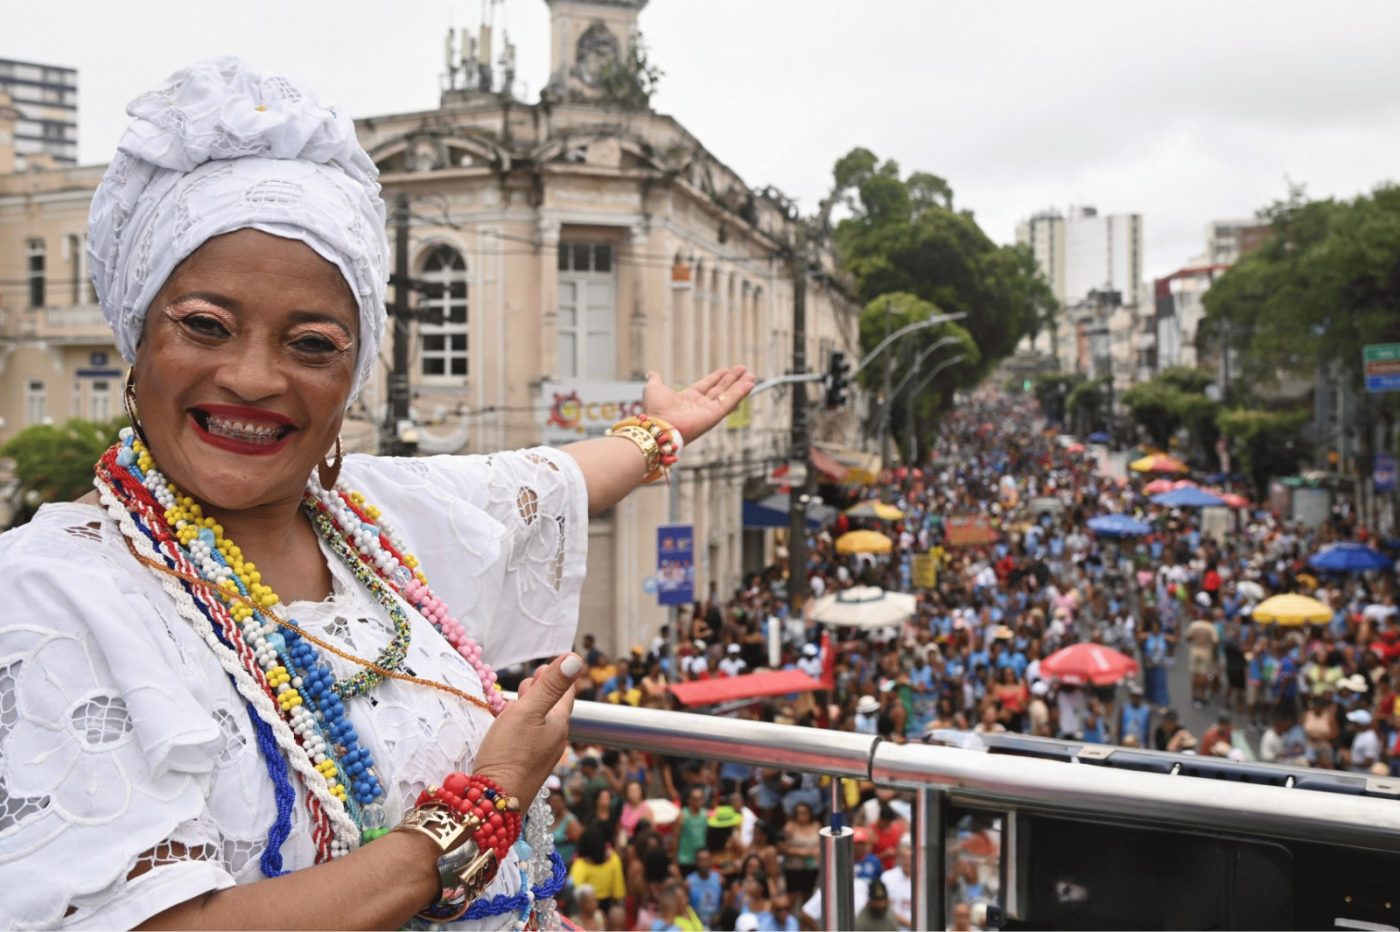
(732, 664)
(900, 885)
(810, 662)
(1366, 746)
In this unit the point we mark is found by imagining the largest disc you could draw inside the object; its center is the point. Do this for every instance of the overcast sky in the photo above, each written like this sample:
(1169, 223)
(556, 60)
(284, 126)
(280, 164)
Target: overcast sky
(1183, 111)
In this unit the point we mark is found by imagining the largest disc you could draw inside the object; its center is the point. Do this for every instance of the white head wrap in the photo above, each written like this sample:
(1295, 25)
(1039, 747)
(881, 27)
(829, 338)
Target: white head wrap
(217, 148)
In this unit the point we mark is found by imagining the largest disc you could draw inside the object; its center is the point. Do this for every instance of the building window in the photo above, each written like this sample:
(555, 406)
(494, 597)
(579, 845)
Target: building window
(36, 273)
(100, 401)
(444, 345)
(587, 311)
(36, 405)
(75, 253)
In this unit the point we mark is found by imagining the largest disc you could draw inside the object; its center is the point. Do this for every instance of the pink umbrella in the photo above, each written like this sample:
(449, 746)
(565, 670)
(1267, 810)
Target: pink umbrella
(1184, 484)
(1088, 663)
(1158, 486)
(1235, 501)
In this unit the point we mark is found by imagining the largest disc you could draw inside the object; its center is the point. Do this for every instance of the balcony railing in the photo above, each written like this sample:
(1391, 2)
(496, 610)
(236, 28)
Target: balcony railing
(941, 775)
(74, 317)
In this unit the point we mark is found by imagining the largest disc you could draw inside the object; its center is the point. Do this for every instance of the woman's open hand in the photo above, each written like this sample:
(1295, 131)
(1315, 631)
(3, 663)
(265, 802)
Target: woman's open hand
(527, 739)
(696, 409)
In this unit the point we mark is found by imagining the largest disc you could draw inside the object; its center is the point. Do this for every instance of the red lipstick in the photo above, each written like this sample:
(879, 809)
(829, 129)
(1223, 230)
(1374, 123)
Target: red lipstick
(242, 414)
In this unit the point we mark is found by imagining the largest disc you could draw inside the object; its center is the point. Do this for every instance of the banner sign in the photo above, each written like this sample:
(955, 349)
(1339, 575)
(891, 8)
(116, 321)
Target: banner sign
(675, 564)
(1381, 366)
(577, 410)
(924, 571)
(1383, 476)
(969, 531)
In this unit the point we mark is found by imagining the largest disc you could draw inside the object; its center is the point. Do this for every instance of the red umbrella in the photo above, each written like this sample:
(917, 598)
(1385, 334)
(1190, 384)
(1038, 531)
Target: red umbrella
(1088, 663)
(1235, 501)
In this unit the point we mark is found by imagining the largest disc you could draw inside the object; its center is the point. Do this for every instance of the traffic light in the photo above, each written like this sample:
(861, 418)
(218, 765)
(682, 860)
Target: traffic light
(837, 381)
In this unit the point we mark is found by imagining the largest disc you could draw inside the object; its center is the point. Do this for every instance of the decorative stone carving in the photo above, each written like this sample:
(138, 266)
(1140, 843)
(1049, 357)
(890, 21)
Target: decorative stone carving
(597, 48)
(423, 155)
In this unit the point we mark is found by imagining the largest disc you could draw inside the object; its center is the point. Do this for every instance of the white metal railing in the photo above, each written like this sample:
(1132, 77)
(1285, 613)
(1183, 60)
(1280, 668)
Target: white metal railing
(938, 774)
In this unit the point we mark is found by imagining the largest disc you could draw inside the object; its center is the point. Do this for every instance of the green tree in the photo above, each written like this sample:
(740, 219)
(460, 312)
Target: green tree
(1265, 443)
(1052, 390)
(1086, 403)
(55, 462)
(631, 81)
(1324, 284)
(914, 406)
(1171, 401)
(904, 235)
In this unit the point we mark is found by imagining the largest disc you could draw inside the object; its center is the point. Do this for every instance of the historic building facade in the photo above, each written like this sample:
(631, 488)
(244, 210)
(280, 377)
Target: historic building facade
(578, 243)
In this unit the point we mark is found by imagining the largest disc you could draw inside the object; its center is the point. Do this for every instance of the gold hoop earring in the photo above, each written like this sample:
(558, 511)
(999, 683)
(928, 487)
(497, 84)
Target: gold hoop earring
(129, 401)
(328, 473)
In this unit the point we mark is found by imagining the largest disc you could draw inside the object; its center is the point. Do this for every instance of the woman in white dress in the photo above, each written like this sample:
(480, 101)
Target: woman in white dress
(234, 669)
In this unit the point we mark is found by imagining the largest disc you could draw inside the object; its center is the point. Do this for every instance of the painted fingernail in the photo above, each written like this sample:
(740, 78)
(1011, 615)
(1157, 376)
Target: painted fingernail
(572, 666)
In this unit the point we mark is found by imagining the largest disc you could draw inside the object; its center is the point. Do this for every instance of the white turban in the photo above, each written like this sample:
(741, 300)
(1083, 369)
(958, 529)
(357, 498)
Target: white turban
(217, 148)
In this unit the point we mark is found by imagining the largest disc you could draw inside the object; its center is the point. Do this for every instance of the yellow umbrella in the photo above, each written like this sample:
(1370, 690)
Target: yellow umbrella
(1158, 462)
(1292, 609)
(875, 509)
(863, 542)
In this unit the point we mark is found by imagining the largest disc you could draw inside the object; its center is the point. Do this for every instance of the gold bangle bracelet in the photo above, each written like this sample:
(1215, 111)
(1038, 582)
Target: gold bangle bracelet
(651, 450)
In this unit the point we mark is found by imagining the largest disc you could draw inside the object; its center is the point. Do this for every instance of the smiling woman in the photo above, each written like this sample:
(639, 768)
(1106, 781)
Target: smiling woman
(225, 672)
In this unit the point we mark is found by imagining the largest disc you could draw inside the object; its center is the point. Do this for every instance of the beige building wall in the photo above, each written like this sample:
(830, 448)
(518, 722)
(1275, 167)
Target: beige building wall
(57, 359)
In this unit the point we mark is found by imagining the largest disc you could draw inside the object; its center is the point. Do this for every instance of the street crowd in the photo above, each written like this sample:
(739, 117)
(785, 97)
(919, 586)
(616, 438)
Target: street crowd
(665, 843)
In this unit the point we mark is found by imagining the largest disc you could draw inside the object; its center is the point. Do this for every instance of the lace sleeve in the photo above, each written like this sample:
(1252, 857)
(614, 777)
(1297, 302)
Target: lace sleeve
(104, 752)
(503, 539)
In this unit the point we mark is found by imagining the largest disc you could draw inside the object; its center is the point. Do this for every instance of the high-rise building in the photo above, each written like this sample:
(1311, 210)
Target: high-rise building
(46, 97)
(1093, 263)
(1103, 252)
(1044, 233)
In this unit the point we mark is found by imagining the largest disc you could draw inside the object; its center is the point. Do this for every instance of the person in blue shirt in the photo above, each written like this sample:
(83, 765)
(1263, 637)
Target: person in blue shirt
(1135, 719)
(706, 889)
(867, 866)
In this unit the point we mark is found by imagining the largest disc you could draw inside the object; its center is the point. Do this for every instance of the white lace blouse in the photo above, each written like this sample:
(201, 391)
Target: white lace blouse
(123, 743)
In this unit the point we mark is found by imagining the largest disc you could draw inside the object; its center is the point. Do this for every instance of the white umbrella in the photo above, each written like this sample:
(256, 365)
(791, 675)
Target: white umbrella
(662, 811)
(1250, 590)
(864, 607)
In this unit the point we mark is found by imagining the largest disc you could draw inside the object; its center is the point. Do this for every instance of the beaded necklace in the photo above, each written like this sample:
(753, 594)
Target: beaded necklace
(286, 667)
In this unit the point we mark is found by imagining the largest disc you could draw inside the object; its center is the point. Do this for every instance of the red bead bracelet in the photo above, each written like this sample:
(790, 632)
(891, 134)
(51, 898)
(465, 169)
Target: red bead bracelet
(497, 813)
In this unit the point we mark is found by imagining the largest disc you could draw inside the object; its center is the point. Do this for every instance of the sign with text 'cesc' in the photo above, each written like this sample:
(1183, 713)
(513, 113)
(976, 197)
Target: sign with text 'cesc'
(969, 531)
(578, 410)
(675, 564)
(1381, 367)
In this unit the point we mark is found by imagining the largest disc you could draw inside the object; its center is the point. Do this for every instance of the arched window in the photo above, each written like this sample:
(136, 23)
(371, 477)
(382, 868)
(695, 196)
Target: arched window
(444, 337)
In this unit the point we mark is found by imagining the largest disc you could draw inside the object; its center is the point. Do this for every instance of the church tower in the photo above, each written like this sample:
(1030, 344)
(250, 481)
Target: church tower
(587, 37)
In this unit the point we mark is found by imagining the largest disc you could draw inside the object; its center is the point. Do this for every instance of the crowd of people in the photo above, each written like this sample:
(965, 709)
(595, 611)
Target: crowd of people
(661, 843)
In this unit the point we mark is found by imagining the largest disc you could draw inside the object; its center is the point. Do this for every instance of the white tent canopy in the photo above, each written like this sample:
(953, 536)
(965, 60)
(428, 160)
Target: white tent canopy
(864, 607)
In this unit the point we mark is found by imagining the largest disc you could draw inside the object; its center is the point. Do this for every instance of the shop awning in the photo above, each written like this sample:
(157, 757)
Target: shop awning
(857, 468)
(748, 686)
(774, 512)
(828, 466)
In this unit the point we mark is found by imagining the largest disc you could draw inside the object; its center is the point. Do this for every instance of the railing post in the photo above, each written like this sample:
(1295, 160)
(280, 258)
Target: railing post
(838, 878)
(927, 856)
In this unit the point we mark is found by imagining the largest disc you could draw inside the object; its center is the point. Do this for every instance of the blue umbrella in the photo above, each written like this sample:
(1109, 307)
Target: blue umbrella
(1188, 498)
(1348, 557)
(1118, 526)
(1098, 437)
